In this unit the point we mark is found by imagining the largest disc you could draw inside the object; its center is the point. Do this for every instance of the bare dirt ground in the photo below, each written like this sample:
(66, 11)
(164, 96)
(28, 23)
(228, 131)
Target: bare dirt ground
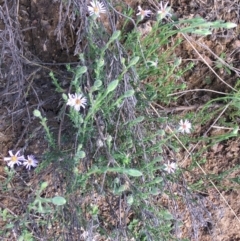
(48, 46)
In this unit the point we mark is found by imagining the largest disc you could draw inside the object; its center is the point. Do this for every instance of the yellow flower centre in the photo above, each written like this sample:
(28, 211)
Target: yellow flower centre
(30, 161)
(14, 158)
(96, 10)
(78, 102)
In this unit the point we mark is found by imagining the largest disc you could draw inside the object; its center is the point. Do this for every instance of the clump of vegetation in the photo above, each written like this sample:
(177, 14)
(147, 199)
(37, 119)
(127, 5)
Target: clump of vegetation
(113, 171)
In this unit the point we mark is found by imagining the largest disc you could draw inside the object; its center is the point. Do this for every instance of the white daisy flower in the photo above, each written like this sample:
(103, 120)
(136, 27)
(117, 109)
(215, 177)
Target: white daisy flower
(143, 13)
(96, 8)
(170, 167)
(76, 101)
(14, 159)
(30, 162)
(164, 11)
(184, 126)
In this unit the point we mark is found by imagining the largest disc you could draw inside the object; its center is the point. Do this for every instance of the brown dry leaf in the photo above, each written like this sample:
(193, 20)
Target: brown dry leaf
(207, 59)
(217, 148)
(236, 44)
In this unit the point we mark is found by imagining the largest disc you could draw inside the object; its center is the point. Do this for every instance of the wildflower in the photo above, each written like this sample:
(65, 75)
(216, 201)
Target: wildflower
(170, 167)
(185, 126)
(96, 8)
(76, 101)
(143, 13)
(30, 162)
(164, 11)
(14, 159)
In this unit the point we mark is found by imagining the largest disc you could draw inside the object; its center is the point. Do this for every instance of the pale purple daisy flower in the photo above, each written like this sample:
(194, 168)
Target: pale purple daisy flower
(96, 8)
(31, 161)
(14, 159)
(184, 126)
(170, 167)
(164, 11)
(143, 13)
(76, 101)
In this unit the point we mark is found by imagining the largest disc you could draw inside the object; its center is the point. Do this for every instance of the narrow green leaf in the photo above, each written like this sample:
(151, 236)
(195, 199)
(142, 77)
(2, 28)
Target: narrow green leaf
(204, 32)
(130, 172)
(230, 25)
(236, 179)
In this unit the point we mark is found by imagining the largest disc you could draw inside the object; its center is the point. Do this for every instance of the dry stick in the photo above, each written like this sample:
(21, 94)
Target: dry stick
(17, 10)
(186, 91)
(222, 127)
(109, 156)
(61, 124)
(184, 108)
(9, 210)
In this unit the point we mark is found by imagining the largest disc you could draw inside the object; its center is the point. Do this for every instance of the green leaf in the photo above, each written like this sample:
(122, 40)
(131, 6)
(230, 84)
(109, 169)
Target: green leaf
(112, 86)
(97, 83)
(235, 130)
(115, 35)
(230, 25)
(133, 61)
(132, 172)
(166, 215)
(58, 201)
(9, 226)
(236, 179)
(136, 121)
(128, 93)
(81, 154)
(44, 185)
(155, 191)
(204, 32)
(80, 71)
(64, 96)
(157, 180)
(100, 63)
(37, 113)
(121, 189)
(4, 214)
(130, 200)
